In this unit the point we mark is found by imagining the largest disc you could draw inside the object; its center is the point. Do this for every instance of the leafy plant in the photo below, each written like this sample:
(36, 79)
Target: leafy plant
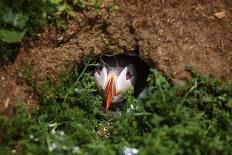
(69, 118)
(97, 4)
(18, 18)
(27, 17)
(79, 3)
(113, 8)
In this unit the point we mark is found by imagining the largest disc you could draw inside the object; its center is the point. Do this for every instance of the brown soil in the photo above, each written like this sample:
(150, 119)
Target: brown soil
(167, 34)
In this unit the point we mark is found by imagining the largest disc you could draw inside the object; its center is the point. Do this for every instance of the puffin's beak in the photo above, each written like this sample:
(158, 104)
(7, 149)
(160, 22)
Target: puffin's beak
(109, 92)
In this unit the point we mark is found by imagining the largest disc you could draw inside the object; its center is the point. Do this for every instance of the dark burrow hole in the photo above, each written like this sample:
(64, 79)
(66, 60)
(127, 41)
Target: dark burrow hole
(119, 62)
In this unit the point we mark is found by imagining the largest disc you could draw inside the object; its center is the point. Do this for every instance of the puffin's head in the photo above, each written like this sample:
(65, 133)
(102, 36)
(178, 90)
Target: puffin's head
(114, 82)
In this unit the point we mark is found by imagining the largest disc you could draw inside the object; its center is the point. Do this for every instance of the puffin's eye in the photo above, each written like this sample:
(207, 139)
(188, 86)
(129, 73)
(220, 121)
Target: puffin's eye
(128, 75)
(99, 69)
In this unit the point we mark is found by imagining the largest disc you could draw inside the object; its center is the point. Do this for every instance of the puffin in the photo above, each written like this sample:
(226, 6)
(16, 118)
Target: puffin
(115, 74)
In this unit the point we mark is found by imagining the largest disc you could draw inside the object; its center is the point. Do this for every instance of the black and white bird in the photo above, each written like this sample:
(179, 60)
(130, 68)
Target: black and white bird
(116, 74)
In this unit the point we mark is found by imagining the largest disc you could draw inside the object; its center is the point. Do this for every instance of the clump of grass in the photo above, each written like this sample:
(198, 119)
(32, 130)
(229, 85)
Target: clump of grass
(69, 118)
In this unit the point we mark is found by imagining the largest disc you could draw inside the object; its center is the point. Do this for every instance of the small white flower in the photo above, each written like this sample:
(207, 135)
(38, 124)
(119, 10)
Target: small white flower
(76, 149)
(53, 131)
(64, 147)
(36, 139)
(62, 133)
(130, 151)
(52, 147)
(13, 151)
(31, 136)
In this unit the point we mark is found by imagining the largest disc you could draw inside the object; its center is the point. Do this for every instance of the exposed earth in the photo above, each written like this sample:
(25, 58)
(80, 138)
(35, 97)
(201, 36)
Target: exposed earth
(168, 35)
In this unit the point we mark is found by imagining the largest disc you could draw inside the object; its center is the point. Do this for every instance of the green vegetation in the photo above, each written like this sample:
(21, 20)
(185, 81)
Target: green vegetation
(20, 18)
(26, 17)
(191, 118)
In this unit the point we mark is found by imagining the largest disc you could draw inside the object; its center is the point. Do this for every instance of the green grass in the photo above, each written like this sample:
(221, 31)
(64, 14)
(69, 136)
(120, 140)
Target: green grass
(193, 117)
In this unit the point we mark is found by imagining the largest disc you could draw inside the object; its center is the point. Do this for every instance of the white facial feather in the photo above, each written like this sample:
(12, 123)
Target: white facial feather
(101, 79)
(122, 84)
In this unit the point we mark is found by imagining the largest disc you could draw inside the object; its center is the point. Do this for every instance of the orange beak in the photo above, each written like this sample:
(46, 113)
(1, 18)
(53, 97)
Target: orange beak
(109, 93)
